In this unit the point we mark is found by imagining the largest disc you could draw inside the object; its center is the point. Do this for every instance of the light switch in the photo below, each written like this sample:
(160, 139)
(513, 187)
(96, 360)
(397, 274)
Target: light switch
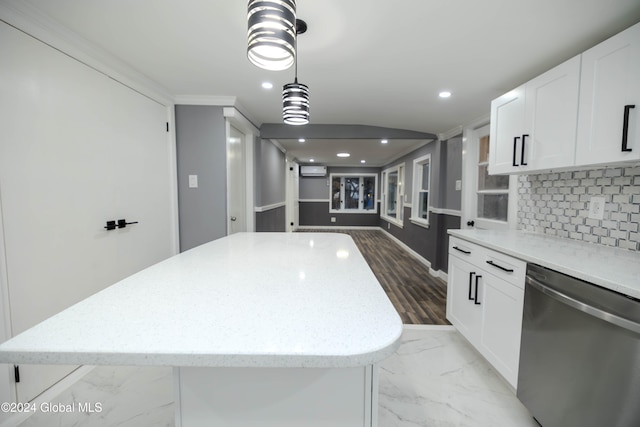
(458, 185)
(193, 181)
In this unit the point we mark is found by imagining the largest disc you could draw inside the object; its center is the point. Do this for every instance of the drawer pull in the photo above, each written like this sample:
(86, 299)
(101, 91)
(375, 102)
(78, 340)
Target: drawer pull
(475, 298)
(508, 270)
(625, 127)
(470, 284)
(461, 250)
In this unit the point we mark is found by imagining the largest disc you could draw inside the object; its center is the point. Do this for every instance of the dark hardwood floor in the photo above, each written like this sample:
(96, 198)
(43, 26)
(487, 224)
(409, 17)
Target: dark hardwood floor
(419, 297)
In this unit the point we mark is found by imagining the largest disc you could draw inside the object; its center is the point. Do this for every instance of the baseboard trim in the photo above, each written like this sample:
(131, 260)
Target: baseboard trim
(435, 273)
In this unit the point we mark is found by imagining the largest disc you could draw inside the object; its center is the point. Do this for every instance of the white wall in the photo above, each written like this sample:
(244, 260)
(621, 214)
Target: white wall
(77, 148)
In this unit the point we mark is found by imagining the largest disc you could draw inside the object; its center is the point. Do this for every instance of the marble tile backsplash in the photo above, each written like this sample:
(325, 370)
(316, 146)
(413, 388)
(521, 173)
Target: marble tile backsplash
(558, 204)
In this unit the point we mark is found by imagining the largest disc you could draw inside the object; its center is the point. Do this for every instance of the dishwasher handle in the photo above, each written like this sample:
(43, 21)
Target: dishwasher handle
(585, 308)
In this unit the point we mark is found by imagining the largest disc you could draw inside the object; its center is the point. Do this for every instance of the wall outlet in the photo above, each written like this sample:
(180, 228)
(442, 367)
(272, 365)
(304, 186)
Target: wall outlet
(333, 219)
(596, 207)
(458, 185)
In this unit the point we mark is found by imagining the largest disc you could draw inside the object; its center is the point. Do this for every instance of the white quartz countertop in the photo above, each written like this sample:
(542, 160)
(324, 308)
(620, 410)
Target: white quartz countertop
(612, 268)
(247, 300)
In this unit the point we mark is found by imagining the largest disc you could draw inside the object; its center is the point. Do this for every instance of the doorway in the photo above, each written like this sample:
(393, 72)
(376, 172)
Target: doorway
(240, 182)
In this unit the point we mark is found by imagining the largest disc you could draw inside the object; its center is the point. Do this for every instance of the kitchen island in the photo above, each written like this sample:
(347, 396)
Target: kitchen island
(263, 329)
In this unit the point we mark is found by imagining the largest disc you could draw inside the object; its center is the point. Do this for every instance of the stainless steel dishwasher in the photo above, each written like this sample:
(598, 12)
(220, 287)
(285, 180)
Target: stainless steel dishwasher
(579, 353)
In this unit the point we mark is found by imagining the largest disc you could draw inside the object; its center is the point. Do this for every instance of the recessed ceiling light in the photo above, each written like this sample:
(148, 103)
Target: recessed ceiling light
(267, 85)
(363, 161)
(384, 141)
(312, 160)
(301, 140)
(444, 94)
(343, 154)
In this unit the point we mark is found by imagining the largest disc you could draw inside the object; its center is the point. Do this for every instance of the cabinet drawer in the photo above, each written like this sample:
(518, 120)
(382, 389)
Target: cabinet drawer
(500, 265)
(505, 267)
(467, 251)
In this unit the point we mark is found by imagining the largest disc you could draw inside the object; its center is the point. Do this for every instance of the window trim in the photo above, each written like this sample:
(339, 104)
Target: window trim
(353, 175)
(399, 219)
(417, 188)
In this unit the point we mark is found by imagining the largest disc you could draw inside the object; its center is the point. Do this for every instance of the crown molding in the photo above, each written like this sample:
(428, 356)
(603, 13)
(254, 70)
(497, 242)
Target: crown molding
(211, 100)
(450, 133)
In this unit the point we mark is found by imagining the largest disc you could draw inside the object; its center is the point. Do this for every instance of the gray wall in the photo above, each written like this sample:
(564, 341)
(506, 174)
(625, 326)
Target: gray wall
(314, 213)
(201, 150)
(446, 167)
(451, 161)
(271, 174)
(314, 187)
(270, 185)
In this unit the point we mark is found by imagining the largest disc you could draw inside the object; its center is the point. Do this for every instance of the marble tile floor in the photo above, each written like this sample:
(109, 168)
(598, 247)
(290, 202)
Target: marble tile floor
(435, 379)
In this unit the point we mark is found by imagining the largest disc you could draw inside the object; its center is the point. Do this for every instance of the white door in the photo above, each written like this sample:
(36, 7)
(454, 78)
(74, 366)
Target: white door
(236, 186)
(488, 201)
(293, 195)
(76, 149)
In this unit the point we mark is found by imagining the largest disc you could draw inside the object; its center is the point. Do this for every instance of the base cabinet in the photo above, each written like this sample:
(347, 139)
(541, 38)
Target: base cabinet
(485, 298)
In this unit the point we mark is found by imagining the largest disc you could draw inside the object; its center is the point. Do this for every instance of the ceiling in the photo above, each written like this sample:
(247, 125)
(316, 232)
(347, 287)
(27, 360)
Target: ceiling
(366, 62)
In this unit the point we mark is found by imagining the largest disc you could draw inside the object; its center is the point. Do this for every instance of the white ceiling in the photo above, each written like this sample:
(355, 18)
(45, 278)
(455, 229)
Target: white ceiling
(369, 62)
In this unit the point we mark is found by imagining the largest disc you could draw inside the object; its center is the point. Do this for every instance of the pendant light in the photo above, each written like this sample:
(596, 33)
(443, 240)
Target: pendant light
(295, 96)
(271, 33)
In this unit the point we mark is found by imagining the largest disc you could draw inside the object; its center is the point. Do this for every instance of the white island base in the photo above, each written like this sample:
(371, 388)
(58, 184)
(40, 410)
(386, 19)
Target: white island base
(262, 329)
(276, 397)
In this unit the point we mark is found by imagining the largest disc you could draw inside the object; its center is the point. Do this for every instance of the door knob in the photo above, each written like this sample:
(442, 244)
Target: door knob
(471, 223)
(233, 218)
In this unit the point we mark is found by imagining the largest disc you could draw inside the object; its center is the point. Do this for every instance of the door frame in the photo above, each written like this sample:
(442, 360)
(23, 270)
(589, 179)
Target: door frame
(235, 118)
(292, 195)
(470, 143)
(7, 381)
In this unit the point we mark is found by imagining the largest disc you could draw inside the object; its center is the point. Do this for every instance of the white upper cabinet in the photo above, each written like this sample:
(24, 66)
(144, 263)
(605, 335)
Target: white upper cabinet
(585, 111)
(609, 120)
(533, 127)
(507, 126)
(551, 114)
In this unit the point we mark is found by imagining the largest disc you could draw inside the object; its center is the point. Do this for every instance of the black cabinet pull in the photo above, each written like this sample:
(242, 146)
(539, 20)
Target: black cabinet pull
(121, 223)
(461, 250)
(470, 283)
(475, 298)
(508, 270)
(625, 127)
(522, 162)
(515, 150)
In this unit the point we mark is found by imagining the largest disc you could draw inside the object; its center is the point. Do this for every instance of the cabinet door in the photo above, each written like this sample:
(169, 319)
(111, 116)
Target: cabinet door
(551, 114)
(507, 123)
(609, 82)
(502, 305)
(462, 311)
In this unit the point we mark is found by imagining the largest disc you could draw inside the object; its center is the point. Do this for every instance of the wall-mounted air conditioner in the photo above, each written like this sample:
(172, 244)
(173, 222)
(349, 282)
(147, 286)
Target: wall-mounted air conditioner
(313, 170)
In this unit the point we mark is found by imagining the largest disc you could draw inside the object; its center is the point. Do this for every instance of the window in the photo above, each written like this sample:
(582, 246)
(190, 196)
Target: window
(493, 190)
(393, 194)
(353, 193)
(421, 185)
